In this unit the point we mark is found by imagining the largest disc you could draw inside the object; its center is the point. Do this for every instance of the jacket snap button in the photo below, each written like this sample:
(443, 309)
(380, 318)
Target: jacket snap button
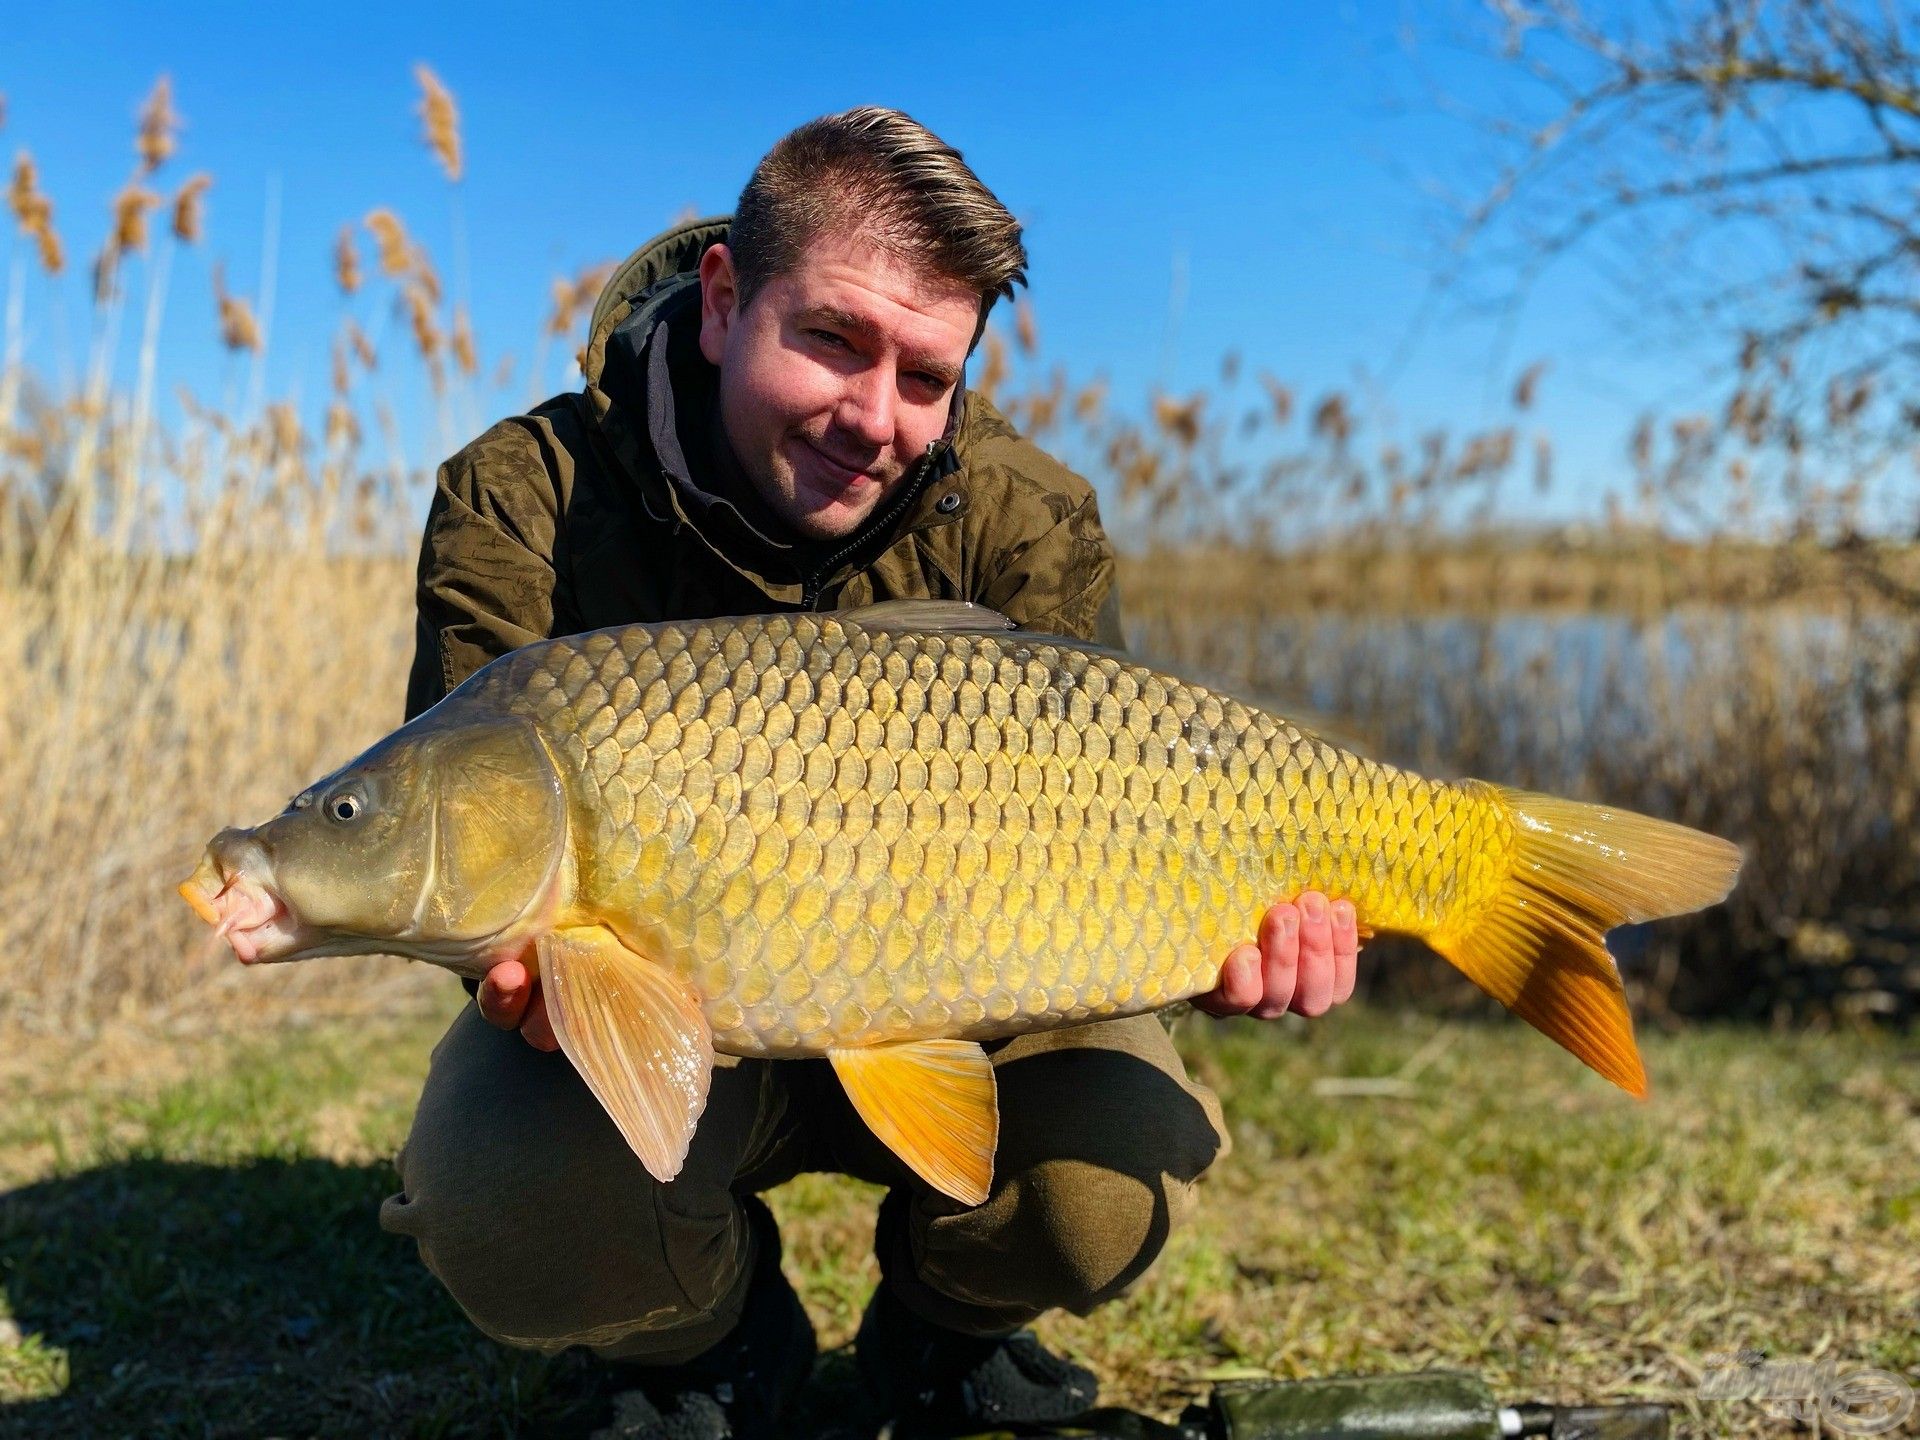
(948, 503)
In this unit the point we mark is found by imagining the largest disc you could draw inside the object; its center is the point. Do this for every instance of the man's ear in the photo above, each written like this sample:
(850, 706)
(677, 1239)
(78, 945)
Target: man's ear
(719, 301)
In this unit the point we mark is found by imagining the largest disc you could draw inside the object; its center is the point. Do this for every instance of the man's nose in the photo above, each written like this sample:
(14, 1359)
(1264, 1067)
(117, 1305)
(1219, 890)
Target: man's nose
(867, 410)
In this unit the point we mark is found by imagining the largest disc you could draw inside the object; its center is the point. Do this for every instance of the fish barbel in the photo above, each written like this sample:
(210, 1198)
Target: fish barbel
(885, 835)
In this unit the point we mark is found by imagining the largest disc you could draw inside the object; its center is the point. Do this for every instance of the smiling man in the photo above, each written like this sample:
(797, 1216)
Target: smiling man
(774, 418)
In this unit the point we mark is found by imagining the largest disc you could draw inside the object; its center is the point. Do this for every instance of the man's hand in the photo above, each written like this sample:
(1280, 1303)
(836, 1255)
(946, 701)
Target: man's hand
(1304, 963)
(509, 996)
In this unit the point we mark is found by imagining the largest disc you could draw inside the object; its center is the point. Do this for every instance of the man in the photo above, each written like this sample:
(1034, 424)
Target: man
(774, 418)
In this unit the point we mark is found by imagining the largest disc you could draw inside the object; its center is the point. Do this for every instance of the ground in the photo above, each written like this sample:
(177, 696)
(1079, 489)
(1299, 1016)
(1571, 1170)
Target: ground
(188, 1243)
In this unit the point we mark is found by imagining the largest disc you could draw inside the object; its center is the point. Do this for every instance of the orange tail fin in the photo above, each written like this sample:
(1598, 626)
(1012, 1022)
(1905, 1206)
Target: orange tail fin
(1579, 871)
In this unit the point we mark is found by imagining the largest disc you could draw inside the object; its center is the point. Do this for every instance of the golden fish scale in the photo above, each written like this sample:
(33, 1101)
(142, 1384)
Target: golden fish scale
(845, 836)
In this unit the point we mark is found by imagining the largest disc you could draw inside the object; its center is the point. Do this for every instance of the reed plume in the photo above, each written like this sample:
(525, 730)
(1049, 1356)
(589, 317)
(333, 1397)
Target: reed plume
(128, 236)
(346, 262)
(189, 208)
(34, 211)
(417, 302)
(239, 330)
(131, 207)
(157, 135)
(460, 342)
(572, 297)
(1026, 329)
(390, 242)
(361, 345)
(441, 119)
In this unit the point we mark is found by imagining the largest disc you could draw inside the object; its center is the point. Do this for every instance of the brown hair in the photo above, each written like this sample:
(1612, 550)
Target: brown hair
(888, 176)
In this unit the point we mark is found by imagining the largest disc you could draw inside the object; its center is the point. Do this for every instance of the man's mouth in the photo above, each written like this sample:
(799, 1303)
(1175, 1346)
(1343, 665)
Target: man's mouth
(844, 474)
(243, 909)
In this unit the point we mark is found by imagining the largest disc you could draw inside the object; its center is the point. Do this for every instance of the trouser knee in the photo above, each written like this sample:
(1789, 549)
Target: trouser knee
(1103, 1140)
(526, 1203)
(530, 1271)
(1080, 1234)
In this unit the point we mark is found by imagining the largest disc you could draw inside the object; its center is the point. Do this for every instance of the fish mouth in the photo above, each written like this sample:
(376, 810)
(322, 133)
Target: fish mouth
(233, 892)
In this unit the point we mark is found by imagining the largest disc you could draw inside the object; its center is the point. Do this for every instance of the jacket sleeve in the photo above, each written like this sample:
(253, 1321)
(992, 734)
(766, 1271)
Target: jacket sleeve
(485, 581)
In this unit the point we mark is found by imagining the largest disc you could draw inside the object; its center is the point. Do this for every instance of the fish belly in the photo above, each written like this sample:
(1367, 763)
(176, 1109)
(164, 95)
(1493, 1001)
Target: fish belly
(847, 837)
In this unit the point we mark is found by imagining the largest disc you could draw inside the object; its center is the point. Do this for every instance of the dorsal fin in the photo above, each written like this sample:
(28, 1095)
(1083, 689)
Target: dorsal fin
(949, 616)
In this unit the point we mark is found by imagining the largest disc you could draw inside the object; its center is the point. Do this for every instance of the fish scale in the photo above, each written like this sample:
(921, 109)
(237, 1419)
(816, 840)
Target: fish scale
(845, 836)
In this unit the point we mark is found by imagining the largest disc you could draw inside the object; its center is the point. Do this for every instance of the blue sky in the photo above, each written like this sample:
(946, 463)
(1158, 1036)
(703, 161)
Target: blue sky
(1277, 155)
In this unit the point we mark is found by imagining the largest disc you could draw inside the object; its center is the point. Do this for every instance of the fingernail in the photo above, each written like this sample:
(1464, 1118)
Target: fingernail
(1315, 907)
(1289, 923)
(1343, 915)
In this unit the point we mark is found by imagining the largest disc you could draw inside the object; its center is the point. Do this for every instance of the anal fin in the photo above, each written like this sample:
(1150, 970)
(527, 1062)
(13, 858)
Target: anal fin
(635, 1032)
(934, 1104)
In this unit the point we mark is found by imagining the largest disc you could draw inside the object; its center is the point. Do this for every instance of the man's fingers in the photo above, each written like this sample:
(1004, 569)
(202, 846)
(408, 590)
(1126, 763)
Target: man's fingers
(1279, 960)
(1238, 988)
(509, 997)
(537, 1028)
(1346, 950)
(1313, 992)
(503, 994)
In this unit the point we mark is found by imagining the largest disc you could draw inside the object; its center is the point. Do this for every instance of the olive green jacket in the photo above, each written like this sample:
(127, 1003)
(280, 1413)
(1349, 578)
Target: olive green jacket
(603, 508)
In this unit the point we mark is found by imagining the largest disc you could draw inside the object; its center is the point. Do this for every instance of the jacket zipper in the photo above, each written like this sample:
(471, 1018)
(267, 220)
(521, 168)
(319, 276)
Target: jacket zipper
(811, 587)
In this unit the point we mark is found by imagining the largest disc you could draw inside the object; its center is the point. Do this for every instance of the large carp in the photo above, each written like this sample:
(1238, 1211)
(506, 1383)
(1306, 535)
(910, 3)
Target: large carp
(886, 835)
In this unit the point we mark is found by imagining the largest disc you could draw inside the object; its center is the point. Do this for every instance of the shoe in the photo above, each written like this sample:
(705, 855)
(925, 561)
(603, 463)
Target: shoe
(939, 1379)
(742, 1386)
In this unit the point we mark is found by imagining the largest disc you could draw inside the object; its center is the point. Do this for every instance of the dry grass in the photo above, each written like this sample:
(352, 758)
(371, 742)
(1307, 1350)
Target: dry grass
(185, 644)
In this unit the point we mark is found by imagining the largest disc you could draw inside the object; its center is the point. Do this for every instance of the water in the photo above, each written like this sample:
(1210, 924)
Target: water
(1546, 699)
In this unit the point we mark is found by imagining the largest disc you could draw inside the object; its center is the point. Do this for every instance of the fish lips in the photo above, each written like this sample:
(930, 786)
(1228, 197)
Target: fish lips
(232, 890)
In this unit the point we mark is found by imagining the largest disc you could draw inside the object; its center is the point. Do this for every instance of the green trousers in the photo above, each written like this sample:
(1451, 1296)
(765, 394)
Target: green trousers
(527, 1204)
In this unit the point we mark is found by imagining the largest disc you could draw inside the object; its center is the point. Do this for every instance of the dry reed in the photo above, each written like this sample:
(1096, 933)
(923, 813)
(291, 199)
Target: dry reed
(157, 135)
(239, 330)
(390, 242)
(440, 118)
(34, 212)
(189, 208)
(203, 616)
(346, 262)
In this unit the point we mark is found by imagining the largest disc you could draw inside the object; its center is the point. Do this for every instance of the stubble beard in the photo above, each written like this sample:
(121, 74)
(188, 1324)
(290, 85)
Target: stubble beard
(814, 509)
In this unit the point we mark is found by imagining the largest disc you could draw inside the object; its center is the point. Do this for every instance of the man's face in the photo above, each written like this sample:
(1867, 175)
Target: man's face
(836, 377)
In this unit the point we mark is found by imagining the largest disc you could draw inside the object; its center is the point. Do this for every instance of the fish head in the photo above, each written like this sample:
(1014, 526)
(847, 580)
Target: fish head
(442, 843)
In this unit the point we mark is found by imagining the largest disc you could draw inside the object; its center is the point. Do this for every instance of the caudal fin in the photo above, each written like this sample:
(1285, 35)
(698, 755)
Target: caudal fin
(1579, 871)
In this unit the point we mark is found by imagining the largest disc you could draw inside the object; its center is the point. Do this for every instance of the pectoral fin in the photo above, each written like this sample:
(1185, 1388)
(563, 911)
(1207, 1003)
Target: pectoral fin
(635, 1032)
(933, 1103)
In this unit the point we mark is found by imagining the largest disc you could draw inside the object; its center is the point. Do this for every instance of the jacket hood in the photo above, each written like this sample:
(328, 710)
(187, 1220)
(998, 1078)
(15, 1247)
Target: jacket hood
(674, 252)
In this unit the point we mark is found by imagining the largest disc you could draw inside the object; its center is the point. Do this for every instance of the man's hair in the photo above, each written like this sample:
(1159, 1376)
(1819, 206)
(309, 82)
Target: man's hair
(886, 177)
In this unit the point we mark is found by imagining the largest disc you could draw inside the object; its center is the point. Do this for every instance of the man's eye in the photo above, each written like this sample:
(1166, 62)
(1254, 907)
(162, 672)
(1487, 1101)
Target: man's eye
(829, 337)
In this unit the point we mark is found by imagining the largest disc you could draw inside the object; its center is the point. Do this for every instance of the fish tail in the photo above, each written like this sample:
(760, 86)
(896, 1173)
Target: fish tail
(1576, 871)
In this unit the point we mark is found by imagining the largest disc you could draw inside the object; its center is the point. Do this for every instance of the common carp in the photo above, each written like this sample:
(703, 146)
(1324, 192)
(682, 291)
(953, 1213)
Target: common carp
(886, 835)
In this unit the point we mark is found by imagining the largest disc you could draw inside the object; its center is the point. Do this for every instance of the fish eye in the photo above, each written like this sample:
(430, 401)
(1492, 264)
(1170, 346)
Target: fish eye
(344, 807)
